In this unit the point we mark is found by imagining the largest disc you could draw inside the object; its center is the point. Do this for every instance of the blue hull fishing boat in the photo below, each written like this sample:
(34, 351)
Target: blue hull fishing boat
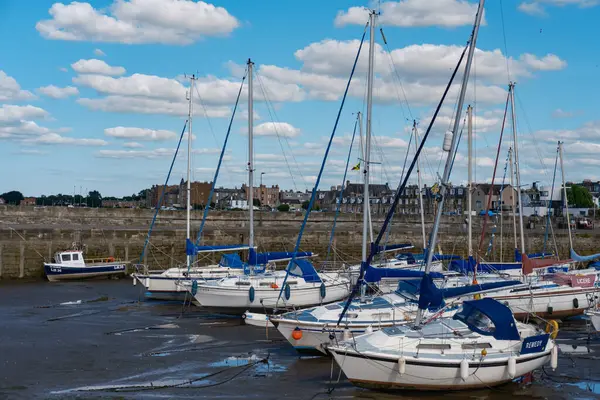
(70, 265)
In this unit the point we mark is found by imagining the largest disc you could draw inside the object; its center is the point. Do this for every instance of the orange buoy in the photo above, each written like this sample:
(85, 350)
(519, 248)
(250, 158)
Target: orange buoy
(274, 286)
(111, 259)
(297, 334)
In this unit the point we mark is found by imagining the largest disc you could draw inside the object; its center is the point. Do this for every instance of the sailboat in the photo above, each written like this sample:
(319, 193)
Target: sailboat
(480, 346)
(170, 284)
(311, 331)
(257, 289)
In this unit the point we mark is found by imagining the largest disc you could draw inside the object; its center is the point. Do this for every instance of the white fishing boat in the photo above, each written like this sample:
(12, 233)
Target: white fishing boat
(70, 265)
(481, 346)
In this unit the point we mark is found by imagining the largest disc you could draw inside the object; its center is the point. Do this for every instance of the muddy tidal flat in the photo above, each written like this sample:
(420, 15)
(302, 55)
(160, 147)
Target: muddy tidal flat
(95, 340)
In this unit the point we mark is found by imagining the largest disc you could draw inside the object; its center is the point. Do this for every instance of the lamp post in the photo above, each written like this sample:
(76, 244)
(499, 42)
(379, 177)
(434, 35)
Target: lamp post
(261, 199)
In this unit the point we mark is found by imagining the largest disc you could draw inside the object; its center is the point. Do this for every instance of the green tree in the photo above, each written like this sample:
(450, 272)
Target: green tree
(94, 199)
(12, 197)
(305, 204)
(283, 207)
(579, 196)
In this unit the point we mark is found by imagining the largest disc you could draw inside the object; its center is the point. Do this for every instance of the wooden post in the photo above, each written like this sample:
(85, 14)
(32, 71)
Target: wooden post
(22, 260)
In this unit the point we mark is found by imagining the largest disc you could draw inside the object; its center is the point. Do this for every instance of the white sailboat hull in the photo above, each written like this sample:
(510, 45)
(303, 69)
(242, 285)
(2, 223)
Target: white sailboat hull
(171, 284)
(553, 304)
(315, 337)
(376, 372)
(236, 300)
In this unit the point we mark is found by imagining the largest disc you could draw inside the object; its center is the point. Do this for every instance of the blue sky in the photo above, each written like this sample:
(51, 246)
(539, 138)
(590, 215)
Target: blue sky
(92, 94)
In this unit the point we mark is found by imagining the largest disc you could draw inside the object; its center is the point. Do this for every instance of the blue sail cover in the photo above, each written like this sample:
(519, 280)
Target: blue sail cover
(468, 266)
(432, 298)
(373, 274)
(231, 261)
(578, 258)
(255, 258)
(304, 269)
(500, 315)
(415, 258)
(192, 249)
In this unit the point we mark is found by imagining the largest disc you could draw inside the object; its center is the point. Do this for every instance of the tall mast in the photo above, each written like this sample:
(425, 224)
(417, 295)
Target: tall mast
(562, 170)
(470, 173)
(514, 195)
(362, 156)
(189, 164)
(368, 136)
(250, 154)
(511, 89)
(451, 149)
(416, 133)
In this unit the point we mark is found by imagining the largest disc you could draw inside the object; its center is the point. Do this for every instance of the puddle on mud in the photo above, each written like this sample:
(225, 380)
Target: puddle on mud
(264, 365)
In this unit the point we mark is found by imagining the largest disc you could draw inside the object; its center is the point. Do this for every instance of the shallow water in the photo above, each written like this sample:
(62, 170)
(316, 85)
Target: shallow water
(59, 341)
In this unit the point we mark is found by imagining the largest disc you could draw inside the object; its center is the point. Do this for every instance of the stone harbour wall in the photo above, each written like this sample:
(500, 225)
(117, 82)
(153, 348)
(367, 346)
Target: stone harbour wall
(31, 235)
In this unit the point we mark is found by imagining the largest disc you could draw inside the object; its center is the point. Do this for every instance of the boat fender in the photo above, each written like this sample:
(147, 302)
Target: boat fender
(346, 334)
(512, 367)
(323, 291)
(297, 334)
(575, 302)
(402, 365)
(194, 287)
(251, 294)
(550, 309)
(287, 291)
(369, 329)
(552, 328)
(554, 358)
(464, 369)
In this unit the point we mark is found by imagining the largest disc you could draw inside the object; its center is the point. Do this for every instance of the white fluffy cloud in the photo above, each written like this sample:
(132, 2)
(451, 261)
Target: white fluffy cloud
(537, 7)
(56, 92)
(123, 132)
(95, 66)
(10, 114)
(141, 105)
(409, 13)
(281, 129)
(10, 90)
(560, 113)
(154, 153)
(55, 138)
(137, 21)
(419, 62)
(133, 145)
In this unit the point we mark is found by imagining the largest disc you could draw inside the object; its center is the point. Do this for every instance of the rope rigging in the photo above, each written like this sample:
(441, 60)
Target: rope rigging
(314, 191)
(214, 182)
(162, 194)
(401, 187)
